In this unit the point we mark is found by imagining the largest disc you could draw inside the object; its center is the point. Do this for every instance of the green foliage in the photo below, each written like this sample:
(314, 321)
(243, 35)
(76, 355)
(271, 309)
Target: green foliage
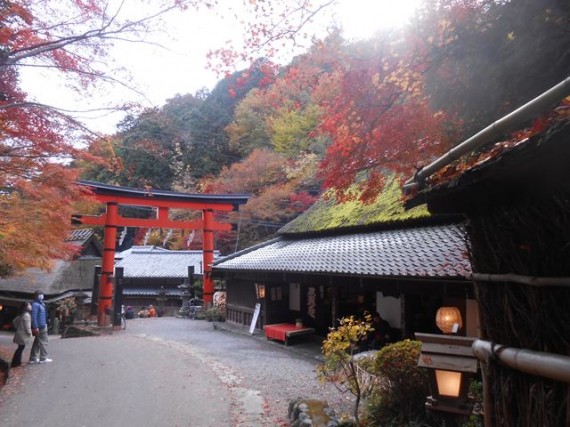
(292, 131)
(215, 314)
(476, 397)
(328, 214)
(400, 399)
(198, 288)
(248, 130)
(339, 366)
(149, 147)
(209, 149)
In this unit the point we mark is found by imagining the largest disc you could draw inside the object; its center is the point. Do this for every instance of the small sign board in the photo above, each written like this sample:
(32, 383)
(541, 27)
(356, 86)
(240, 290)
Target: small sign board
(254, 318)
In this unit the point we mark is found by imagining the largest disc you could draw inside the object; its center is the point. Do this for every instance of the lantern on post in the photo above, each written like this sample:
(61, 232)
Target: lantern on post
(452, 364)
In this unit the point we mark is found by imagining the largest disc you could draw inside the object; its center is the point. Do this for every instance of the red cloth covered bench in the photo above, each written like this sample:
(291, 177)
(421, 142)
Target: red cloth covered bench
(284, 331)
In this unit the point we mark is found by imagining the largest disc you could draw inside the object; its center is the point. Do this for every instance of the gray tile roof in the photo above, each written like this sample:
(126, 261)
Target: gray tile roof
(165, 263)
(80, 235)
(420, 252)
(147, 248)
(63, 276)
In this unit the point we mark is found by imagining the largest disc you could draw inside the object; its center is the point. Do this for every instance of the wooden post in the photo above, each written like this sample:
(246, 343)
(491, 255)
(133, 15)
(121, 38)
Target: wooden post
(208, 257)
(95, 293)
(108, 267)
(118, 300)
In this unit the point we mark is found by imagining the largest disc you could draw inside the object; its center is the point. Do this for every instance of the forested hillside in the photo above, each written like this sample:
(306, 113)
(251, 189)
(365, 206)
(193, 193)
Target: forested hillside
(345, 112)
(341, 116)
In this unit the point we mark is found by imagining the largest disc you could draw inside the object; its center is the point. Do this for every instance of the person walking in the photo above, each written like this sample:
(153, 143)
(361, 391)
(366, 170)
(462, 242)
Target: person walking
(23, 325)
(39, 330)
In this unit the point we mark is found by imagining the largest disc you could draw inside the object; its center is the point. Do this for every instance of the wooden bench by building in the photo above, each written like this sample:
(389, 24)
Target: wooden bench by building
(284, 331)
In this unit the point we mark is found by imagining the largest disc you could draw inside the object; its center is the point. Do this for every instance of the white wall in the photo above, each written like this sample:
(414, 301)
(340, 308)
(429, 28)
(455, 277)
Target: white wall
(390, 309)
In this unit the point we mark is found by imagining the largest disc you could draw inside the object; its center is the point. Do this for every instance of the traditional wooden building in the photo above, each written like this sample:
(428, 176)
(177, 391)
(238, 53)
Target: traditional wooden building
(512, 180)
(66, 278)
(151, 275)
(342, 259)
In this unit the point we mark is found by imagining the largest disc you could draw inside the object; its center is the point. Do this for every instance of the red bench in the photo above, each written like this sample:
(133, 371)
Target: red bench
(284, 331)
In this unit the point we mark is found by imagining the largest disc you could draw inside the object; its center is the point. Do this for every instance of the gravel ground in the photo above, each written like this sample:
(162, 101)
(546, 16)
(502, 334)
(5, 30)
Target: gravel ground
(277, 372)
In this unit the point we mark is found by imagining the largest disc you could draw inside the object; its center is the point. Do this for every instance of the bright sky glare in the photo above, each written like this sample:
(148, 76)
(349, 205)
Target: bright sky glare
(161, 73)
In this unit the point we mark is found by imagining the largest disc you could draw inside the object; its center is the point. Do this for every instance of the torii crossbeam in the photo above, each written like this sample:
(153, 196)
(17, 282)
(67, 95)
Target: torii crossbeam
(163, 201)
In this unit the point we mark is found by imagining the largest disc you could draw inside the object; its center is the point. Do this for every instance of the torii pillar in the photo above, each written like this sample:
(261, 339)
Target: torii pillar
(163, 201)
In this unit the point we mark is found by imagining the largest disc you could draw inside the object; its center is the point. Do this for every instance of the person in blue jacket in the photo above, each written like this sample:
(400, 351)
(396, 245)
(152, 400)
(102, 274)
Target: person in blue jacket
(39, 330)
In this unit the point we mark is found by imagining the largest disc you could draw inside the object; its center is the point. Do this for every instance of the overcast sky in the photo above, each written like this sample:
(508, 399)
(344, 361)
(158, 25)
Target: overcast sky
(180, 67)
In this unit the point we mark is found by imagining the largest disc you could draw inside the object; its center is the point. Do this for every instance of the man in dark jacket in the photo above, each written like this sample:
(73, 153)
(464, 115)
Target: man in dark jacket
(38, 353)
(380, 335)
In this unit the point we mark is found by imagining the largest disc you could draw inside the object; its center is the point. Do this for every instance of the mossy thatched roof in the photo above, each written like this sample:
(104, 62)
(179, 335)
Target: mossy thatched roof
(329, 215)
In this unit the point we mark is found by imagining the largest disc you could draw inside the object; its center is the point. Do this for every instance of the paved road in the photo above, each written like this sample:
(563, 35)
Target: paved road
(164, 372)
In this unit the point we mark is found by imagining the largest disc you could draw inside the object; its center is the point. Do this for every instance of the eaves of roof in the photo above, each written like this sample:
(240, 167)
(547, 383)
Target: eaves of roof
(509, 170)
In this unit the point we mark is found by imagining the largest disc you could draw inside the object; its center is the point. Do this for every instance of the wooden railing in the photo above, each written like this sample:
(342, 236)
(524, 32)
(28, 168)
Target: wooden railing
(242, 316)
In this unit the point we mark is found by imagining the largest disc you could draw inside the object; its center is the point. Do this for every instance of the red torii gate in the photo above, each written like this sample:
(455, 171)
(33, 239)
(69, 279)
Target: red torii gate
(162, 200)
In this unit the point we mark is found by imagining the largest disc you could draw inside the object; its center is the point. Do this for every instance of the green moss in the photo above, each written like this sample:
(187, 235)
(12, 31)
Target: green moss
(328, 214)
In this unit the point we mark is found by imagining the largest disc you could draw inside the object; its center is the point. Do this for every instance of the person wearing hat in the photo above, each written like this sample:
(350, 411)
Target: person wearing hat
(39, 330)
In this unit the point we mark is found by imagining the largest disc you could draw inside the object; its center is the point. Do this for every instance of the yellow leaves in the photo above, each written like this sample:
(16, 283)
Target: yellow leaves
(348, 334)
(401, 79)
(511, 36)
(444, 24)
(376, 77)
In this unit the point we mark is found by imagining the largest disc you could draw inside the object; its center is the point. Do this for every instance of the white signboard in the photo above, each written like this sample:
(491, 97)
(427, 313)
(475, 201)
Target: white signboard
(254, 318)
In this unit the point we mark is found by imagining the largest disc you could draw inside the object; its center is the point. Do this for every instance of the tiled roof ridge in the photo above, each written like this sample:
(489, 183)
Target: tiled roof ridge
(410, 223)
(248, 250)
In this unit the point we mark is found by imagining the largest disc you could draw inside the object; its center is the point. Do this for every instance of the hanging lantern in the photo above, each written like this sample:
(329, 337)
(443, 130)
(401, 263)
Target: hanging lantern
(448, 320)
(260, 291)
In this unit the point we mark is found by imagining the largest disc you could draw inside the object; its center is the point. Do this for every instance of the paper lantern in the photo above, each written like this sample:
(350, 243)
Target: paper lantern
(446, 319)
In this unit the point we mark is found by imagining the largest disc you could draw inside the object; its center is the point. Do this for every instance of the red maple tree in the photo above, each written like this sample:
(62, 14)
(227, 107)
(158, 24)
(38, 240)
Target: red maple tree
(381, 122)
(38, 143)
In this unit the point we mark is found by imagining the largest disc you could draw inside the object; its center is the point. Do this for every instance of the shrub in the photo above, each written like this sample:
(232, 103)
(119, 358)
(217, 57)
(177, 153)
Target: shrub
(400, 398)
(340, 367)
(215, 314)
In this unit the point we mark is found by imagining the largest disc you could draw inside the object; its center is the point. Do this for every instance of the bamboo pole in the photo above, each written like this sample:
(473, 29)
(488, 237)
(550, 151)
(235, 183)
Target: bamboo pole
(561, 282)
(547, 365)
(495, 130)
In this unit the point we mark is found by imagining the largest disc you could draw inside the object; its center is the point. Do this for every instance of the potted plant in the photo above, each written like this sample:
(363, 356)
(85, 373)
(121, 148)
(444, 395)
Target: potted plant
(214, 314)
